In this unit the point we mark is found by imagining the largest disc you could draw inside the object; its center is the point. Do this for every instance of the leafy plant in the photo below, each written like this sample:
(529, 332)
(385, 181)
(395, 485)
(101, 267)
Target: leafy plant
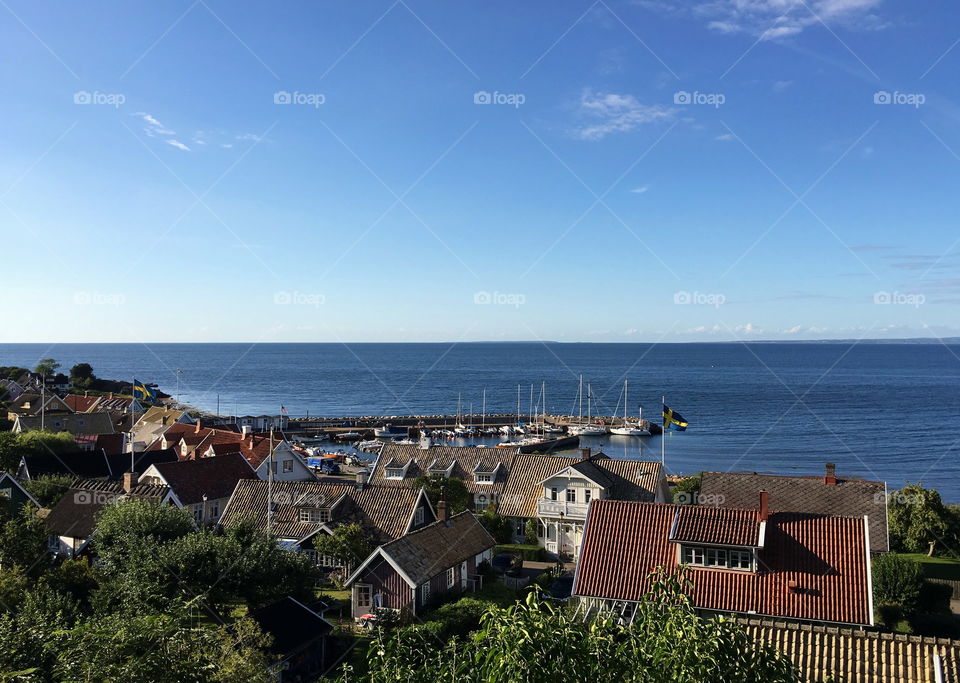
(897, 581)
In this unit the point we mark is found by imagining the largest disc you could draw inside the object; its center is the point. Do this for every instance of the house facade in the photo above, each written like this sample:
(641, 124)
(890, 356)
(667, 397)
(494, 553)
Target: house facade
(556, 492)
(13, 496)
(746, 561)
(418, 570)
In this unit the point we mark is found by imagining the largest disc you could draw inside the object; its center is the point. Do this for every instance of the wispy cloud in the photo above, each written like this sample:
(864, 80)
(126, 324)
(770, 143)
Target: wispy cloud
(614, 113)
(726, 137)
(178, 145)
(640, 190)
(153, 127)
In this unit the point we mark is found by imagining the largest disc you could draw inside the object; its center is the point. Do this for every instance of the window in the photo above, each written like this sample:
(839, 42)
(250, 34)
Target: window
(7, 493)
(53, 544)
(451, 577)
(741, 559)
(273, 466)
(364, 595)
(586, 496)
(483, 477)
(314, 515)
(553, 493)
(215, 510)
(571, 495)
(198, 513)
(718, 558)
(394, 473)
(418, 516)
(425, 593)
(439, 473)
(288, 465)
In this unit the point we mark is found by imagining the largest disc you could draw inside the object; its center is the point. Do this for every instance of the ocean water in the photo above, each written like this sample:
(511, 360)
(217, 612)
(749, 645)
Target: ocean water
(881, 411)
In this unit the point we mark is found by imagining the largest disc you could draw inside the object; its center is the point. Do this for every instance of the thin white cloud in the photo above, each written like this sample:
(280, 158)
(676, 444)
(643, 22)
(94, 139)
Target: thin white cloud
(775, 19)
(153, 126)
(615, 113)
(640, 190)
(726, 137)
(178, 145)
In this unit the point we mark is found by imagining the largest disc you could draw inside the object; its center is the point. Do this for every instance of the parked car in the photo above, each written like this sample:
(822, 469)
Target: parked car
(507, 562)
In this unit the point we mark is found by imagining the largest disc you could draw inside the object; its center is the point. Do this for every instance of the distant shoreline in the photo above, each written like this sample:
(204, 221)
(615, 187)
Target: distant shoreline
(903, 342)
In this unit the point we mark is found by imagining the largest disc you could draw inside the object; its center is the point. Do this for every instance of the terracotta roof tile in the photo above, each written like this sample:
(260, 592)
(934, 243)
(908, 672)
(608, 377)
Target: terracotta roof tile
(811, 568)
(722, 526)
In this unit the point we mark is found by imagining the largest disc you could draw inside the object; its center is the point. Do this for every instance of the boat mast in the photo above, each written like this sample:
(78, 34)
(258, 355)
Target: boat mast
(483, 421)
(518, 404)
(580, 395)
(624, 403)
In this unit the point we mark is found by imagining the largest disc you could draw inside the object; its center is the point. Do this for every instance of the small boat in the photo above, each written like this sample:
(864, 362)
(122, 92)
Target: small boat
(369, 445)
(390, 432)
(626, 429)
(587, 430)
(348, 436)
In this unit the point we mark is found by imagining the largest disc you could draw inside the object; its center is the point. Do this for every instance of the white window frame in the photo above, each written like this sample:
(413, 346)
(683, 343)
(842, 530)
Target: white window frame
(571, 495)
(364, 589)
(451, 577)
(214, 512)
(424, 593)
(554, 493)
(394, 472)
(418, 516)
(288, 465)
(314, 515)
(587, 494)
(483, 477)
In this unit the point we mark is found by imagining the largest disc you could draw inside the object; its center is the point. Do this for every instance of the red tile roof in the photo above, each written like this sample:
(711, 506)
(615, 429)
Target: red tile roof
(200, 439)
(811, 568)
(80, 404)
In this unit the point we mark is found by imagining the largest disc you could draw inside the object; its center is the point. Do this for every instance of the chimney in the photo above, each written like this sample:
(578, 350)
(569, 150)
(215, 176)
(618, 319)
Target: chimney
(443, 514)
(129, 481)
(764, 507)
(196, 430)
(362, 477)
(585, 453)
(246, 430)
(110, 395)
(830, 479)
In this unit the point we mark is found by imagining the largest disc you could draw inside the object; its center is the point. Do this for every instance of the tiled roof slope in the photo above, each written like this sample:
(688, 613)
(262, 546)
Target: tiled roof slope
(384, 511)
(848, 498)
(80, 404)
(812, 568)
(216, 477)
(464, 459)
(199, 439)
(625, 480)
(823, 653)
(75, 423)
(94, 464)
(75, 515)
(723, 526)
(424, 553)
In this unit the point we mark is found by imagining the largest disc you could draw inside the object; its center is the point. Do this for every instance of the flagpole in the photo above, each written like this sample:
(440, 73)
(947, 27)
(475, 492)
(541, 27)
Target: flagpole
(663, 433)
(269, 486)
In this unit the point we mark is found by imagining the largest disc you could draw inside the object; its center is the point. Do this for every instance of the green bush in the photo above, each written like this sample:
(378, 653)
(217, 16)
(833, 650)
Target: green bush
(897, 581)
(533, 553)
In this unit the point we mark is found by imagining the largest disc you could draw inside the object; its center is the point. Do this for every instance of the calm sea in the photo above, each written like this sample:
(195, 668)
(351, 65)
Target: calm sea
(881, 411)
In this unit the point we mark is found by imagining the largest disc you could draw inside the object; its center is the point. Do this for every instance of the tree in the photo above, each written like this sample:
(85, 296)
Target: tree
(686, 490)
(451, 489)
(48, 489)
(499, 527)
(350, 544)
(919, 521)
(897, 581)
(81, 371)
(46, 367)
(531, 530)
(133, 528)
(23, 539)
(535, 641)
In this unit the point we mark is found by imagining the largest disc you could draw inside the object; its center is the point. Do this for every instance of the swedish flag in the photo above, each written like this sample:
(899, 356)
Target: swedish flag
(673, 420)
(141, 390)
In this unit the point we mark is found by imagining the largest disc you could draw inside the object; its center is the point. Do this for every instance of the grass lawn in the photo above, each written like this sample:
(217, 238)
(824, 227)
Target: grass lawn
(936, 567)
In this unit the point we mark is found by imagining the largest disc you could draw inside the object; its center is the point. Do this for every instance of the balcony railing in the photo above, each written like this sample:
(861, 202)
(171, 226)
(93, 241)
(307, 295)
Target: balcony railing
(555, 508)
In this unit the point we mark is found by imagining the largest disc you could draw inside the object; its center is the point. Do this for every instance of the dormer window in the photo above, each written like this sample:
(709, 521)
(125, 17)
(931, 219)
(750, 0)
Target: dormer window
(314, 515)
(395, 472)
(483, 477)
(717, 558)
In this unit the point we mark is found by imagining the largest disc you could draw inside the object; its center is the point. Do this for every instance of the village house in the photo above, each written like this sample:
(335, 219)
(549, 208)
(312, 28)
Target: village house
(257, 423)
(556, 491)
(826, 495)
(423, 567)
(72, 520)
(301, 510)
(153, 423)
(74, 423)
(483, 471)
(13, 496)
(83, 403)
(199, 441)
(12, 387)
(202, 486)
(747, 561)
(29, 404)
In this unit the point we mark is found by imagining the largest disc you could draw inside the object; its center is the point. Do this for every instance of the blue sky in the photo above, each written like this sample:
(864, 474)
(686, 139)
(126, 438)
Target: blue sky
(423, 171)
